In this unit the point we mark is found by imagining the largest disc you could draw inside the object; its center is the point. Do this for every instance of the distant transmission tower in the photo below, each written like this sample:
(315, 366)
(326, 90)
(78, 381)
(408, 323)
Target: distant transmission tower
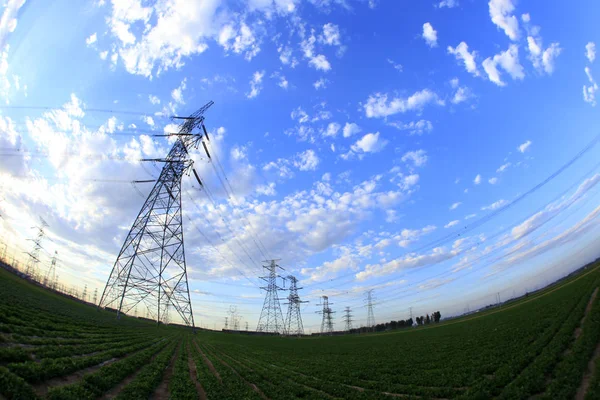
(150, 267)
(327, 322)
(34, 254)
(96, 296)
(226, 323)
(271, 318)
(84, 296)
(246, 326)
(348, 319)
(51, 273)
(293, 323)
(370, 315)
(234, 318)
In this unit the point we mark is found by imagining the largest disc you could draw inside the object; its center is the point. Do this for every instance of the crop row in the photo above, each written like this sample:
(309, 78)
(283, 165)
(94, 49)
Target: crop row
(148, 378)
(570, 370)
(95, 384)
(54, 367)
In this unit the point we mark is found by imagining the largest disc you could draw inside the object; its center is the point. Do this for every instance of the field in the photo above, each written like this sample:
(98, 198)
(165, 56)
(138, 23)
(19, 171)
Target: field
(544, 346)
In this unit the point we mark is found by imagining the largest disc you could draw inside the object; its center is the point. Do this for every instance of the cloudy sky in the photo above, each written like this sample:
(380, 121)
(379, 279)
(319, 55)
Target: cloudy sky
(442, 153)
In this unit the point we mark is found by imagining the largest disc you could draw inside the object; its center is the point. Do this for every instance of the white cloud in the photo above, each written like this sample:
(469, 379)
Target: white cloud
(503, 167)
(451, 224)
(589, 92)
(470, 216)
(329, 268)
(369, 143)
(461, 52)
(454, 206)
(590, 51)
(494, 206)
(320, 62)
(430, 35)
(542, 60)
(448, 3)
(240, 40)
(414, 127)
(418, 158)
(508, 61)
(92, 39)
(177, 93)
(397, 67)
(409, 261)
(266, 190)
(351, 129)
(524, 147)
(377, 105)
(255, 84)
(283, 83)
(493, 181)
(477, 179)
(8, 21)
(331, 35)
(154, 99)
(239, 153)
(462, 94)
(306, 161)
(501, 12)
(332, 129)
(149, 120)
(320, 84)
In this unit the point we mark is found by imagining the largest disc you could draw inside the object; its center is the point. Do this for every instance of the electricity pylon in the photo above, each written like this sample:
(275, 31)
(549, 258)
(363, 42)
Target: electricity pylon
(271, 318)
(150, 267)
(348, 319)
(327, 322)
(293, 323)
(51, 273)
(34, 254)
(370, 315)
(235, 319)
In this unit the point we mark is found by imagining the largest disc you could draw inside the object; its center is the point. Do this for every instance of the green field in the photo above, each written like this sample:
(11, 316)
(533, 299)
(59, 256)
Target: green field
(543, 346)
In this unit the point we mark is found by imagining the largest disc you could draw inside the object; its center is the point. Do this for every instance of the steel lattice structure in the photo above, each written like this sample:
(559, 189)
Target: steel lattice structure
(150, 268)
(370, 315)
(348, 319)
(293, 322)
(271, 318)
(327, 322)
(50, 277)
(34, 256)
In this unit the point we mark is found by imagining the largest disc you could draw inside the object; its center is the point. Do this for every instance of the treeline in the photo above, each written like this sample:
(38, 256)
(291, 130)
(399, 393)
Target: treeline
(434, 318)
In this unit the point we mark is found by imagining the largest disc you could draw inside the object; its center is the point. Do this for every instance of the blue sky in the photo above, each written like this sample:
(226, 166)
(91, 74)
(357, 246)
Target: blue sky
(362, 140)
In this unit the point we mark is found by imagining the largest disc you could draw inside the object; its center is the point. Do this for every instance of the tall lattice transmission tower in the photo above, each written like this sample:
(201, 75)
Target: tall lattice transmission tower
(34, 254)
(293, 322)
(348, 319)
(50, 277)
(234, 318)
(327, 322)
(150, 268)
(370, 316)
(271, 318)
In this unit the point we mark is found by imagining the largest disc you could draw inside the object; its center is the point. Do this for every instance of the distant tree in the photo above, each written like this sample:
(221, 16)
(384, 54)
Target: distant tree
(427, 319)
(409, 322)
(437, 316)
